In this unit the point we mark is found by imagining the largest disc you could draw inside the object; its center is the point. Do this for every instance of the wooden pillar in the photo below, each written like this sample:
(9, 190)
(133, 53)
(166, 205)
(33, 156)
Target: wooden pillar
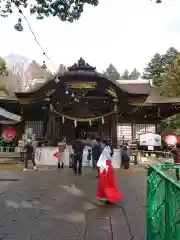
(51, 130)
(133, 130)
(45, 125)
(114, 130)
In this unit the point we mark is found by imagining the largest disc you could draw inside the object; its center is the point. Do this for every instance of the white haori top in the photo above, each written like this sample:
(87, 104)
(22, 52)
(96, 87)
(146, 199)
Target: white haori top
(105, 155)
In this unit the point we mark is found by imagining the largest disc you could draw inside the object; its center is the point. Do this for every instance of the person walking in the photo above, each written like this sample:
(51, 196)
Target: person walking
(29, 154)
(78, 147)
(107, 190)
(61, 155)
(71, 155)
(122, 150)
(96, 152)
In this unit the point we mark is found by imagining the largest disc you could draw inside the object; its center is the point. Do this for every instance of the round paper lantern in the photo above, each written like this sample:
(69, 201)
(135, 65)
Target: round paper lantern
(171, 139)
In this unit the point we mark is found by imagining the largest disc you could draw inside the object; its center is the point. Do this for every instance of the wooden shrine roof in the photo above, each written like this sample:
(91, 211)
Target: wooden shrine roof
(85, 72)
(135, 97)
(132, 89)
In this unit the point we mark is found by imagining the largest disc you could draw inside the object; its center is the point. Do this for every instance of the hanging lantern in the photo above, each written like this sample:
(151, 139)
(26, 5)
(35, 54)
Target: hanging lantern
(47, 99)
(51, 108)
(63, 119)
(18, 26)
(115, 104)
(90, 123)
(56, 80)
(102, 119)
(44, 65)
(21, 109)
(75, 123)
(115, 107)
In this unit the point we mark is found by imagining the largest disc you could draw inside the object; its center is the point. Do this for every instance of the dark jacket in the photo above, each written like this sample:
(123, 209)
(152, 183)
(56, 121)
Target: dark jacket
(96, 151)
(112, 151)
(78, 146)
(126, 154)
(29, 150)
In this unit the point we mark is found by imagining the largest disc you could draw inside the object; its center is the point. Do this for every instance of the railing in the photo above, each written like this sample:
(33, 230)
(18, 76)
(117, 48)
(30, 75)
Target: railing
(140, 156)
(7, 149)
(163, 203)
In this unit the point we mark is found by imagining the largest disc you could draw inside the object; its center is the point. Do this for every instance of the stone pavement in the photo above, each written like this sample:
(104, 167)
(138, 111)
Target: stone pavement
(55, 204)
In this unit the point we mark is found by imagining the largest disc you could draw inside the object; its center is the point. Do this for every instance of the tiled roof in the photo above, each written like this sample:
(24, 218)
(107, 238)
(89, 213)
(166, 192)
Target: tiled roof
(139, 88)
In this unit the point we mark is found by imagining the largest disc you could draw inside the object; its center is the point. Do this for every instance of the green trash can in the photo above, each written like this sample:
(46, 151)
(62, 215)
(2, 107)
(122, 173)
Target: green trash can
(163, 203)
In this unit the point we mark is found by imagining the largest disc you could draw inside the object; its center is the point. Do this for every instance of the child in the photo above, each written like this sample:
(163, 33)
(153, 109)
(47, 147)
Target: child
(89, 157)
(61, 147)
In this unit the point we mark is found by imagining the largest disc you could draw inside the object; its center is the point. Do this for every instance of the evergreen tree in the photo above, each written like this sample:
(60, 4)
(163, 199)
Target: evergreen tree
(169, 57)
(173, 79)
(154, 70)
(112, 73)
(125, 75)
(134, 75)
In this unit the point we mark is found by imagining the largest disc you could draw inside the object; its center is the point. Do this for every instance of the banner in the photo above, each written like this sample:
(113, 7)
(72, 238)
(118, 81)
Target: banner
(8, 134)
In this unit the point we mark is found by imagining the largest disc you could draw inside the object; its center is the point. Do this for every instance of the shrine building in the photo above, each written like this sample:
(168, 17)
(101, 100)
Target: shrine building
(82, 101)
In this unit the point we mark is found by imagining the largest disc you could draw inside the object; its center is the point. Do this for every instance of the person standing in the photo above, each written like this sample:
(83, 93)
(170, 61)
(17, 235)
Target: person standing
(61, 155)
(126, 156)
(21, 149)
(29, 154)
(96, 152)
(176, 156)
(78, 147)
(71, 155)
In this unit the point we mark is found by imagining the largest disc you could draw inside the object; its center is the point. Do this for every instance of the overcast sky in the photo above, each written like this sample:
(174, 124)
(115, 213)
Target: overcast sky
(123, 32)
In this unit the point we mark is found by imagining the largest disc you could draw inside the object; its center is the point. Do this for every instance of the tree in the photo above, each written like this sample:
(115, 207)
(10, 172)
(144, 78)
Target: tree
(125, 75)
(171, 124)
(172, 86)
(3, 67)
(169, 57)
(155, 69)
(164, 70)
(134, 75)
(66, 10)
(112, 73)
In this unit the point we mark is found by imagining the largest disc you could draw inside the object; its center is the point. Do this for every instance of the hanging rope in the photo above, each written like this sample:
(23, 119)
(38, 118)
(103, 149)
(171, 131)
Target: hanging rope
(35, 38)
(82, 119)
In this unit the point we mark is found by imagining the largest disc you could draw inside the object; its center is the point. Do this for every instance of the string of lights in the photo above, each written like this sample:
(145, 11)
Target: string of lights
(19, 27)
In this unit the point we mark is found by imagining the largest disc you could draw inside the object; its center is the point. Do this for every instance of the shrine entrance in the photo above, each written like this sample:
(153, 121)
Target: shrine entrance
(81, 102)
(85, 130)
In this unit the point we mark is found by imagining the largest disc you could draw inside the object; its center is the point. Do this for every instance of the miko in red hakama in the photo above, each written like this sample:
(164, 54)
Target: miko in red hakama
(107, 189)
